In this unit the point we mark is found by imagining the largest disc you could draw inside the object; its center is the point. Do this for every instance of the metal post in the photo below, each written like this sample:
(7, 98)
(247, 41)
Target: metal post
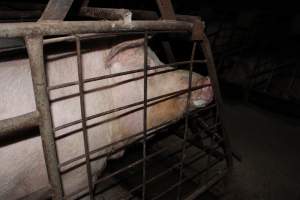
(215, 83)
(34, 45)
(145, 113)
(186, 126)
(83, 117)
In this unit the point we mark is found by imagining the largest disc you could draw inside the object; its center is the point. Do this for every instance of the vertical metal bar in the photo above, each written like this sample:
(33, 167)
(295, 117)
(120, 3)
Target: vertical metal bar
(167, 12)
(186, 126)
(34, 45)
(145, 112)
(215, 84)
(166, 9)
(83, 117)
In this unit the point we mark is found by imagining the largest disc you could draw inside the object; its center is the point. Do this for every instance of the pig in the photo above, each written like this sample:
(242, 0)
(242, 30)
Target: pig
(23, 170)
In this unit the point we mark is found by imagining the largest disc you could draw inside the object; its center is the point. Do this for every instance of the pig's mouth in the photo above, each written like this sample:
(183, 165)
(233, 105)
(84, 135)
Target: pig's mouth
(203, 96)
(200, 103)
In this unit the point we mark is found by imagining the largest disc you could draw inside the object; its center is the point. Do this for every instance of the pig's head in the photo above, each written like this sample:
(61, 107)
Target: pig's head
(204, 95)
(200, 97)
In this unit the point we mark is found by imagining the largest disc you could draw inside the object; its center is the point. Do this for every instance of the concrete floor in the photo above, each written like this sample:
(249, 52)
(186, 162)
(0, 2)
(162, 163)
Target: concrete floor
(269, 146)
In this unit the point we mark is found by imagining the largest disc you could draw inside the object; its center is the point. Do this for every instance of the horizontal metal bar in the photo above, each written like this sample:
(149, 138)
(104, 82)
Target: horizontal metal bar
(106, 13)
(115, 143)
(112, 85)
(194, 158)
(122, 74)
(46, 28)
(22, 122)
(148, 157)
(161, 98)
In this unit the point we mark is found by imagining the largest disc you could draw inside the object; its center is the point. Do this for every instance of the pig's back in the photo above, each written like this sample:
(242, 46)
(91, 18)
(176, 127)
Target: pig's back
(20, 160)
(23, 170)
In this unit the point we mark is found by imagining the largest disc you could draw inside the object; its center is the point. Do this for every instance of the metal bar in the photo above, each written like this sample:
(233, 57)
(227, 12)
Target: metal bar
(145, 112)
(194, 158)
(130, 166)
(11, 30)
(56, 10)
(106, 13)
(115, 143)
(165, 98)
(167, 13)
(186, 128)
(112, 85)
(215, 84)
(166, 9)
(122, 74)
(83, 118)
(34, 47)
(22, 122)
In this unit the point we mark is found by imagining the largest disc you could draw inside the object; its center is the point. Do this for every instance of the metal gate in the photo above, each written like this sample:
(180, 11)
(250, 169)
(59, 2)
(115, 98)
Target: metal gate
(212, 143)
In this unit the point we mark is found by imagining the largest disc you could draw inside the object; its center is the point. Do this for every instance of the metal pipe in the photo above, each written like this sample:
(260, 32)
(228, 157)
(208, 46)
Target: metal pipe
(34, 47)
(106, 13)
(56, 10)
(22, 122)
(145, 113)
(186, 126)
(215, 84)
(54, 87)
(47, 28)
(156, 100)
(83, 118)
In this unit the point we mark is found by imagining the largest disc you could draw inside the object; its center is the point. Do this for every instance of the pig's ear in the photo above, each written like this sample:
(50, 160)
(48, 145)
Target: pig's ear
(115, 50)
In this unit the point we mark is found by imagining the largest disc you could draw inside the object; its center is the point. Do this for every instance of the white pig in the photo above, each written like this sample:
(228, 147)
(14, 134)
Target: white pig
(22, 168)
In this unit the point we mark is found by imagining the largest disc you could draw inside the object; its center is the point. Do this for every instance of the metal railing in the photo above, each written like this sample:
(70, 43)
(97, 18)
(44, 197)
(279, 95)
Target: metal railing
(33, 34)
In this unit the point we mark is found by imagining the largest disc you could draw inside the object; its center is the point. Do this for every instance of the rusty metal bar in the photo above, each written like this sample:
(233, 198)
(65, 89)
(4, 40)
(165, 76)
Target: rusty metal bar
(34, 47)
(112, 85)
(167, 13)
(150, 132)
(53, 87)
(215, 84)
(192, 159)
(83, 118)
(159, 98)
(22, 122)
(166, 9)
(140, 161)
(47, 28)
(145, 113)
(106, 13)
(56, 10)
(186, 126)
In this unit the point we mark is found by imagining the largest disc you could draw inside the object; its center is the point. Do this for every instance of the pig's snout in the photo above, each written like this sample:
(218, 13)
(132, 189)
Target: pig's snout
(203, 96)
